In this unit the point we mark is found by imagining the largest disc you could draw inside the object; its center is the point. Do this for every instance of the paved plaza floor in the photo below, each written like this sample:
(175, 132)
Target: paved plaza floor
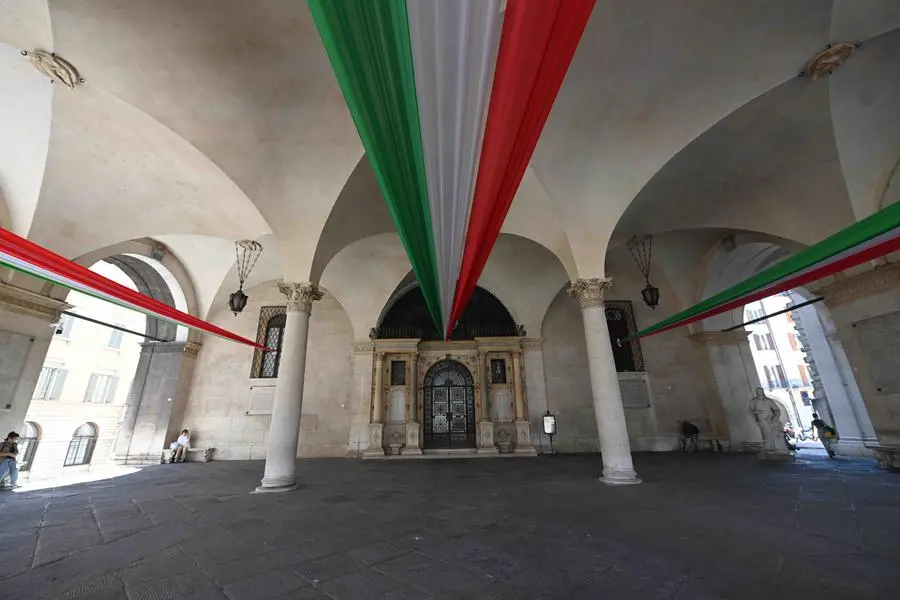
(701, 526)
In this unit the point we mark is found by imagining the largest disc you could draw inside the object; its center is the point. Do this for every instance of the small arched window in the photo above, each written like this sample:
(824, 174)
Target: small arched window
(270, 334)
(28, 444)
(81, 448)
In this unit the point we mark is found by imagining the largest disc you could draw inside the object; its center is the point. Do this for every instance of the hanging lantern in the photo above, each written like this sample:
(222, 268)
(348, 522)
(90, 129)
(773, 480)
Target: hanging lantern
(641, 249)
(247, 253)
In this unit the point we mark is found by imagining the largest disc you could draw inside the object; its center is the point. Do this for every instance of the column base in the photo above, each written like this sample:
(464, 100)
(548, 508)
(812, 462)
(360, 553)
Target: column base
(888, 457)
(620, 477)
(265, 489)
(523, 438)
(283, 483)
(376, 435)
(413, 446)
(486, 437)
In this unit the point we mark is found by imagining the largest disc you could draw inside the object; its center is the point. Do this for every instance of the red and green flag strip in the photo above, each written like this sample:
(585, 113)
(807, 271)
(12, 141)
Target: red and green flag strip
(869, 239)
(449, 98)
(27, 257)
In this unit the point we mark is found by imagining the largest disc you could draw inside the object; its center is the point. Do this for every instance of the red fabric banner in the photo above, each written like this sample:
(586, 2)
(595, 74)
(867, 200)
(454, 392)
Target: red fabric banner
(882, 249)
(537, 43)
(39, 256)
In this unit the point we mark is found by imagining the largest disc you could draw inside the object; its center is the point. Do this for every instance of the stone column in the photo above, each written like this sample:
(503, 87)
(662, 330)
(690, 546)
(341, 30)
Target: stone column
(736, 380)
(284, 431)
(535, 387)
(376, 427)
(523, 427)
(485, 425)
(618, 468)
(413, 428)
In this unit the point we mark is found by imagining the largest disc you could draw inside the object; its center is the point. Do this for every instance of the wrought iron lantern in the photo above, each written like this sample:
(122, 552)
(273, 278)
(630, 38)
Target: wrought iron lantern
(641, 249)
(247, 253)
(549, 420)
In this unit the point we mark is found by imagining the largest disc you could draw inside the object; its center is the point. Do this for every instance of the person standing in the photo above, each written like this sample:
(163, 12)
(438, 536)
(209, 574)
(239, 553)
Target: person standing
(9, 452)
(827, 434)
(181, 446)
(690, 436)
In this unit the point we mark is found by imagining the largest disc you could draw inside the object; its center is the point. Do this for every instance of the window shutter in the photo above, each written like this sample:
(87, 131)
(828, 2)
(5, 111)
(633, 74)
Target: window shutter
(111, 389)
(91, 388)
(58, 382)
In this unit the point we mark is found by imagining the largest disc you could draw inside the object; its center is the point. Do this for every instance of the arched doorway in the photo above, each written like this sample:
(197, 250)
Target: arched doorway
(449, 406)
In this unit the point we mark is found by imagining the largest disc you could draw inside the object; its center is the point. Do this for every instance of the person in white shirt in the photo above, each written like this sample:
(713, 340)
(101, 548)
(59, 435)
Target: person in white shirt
(181, 446)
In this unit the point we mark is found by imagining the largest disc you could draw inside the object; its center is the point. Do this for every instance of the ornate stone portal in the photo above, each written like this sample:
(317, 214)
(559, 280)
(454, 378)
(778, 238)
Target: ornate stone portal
(463, 397)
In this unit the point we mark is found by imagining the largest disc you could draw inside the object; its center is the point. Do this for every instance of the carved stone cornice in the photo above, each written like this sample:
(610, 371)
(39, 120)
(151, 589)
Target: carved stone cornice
(300, 296)
(852, 288)
(589, 292)
(363, 347)
(720, 338)
(31, 303)
(532, 344)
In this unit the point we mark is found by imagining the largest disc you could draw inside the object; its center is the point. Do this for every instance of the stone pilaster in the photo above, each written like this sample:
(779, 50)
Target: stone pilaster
(376, 426)
(413, 427)
(736, 380)
(618, 468)
(523, 427)
(485, 425)
(284, 431)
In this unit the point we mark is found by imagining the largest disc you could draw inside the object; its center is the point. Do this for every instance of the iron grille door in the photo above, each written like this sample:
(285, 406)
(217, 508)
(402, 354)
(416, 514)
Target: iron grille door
(449, 406)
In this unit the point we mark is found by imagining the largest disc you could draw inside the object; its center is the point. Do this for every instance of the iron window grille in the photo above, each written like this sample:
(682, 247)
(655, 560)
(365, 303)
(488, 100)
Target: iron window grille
(81, 448)
(398, 372)
(269, 333)
(28, 445)
(621, 323)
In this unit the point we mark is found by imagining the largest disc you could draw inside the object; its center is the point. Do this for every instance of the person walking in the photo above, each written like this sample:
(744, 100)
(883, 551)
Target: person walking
(827, 434)
(690, 436)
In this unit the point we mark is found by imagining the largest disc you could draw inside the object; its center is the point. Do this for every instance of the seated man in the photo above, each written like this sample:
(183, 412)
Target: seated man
(9, 451)
(181, 446)
(690, 436)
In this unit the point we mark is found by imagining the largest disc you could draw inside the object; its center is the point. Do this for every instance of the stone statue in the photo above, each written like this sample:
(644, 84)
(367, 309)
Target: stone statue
(767, 415)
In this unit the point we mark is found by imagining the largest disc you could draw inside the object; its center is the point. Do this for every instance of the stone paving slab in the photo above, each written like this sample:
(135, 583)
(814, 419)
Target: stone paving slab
(706, 526)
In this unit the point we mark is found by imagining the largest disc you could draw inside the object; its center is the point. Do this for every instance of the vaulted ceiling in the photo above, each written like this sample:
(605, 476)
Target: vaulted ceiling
(207, 121)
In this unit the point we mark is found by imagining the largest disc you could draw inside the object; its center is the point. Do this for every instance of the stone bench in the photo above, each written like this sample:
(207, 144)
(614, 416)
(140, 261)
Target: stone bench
(193, 455)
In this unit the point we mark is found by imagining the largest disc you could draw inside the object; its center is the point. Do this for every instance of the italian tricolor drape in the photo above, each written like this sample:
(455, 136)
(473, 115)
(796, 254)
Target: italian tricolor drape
(449, 98)
(871, 238)
(25, 256)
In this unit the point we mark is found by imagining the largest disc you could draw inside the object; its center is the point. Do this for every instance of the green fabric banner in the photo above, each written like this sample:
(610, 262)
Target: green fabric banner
(368, 44)
(881, 222)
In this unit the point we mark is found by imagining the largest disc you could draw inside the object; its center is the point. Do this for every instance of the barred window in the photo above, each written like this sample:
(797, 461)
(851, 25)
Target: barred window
(81, 448)
(620, 320)
(270, 334)
(28, 445)
(398, 372)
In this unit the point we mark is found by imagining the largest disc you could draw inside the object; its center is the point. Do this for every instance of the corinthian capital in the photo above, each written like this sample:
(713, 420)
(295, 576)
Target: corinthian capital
(589, 292)
(300, 296)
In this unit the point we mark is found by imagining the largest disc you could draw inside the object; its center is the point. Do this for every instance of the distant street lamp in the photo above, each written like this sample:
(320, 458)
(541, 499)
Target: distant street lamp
(550, 427)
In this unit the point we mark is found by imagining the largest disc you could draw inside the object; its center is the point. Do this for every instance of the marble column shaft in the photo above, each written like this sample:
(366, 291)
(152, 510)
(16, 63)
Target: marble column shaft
(284, 431)
(378, 396)
(517, 387)
(618, 468)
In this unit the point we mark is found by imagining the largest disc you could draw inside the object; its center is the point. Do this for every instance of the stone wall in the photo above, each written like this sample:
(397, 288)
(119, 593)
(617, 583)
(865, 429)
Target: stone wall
(220, 393)
(678, 373)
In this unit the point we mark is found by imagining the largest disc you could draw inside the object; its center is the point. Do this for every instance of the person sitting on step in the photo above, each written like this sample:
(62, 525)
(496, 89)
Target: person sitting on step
(181, 446)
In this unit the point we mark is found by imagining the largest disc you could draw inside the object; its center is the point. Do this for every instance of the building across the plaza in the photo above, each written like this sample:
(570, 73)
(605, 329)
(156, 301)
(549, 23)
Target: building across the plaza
(681, 130)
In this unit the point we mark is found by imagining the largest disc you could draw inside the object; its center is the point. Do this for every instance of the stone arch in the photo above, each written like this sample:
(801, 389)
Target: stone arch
(406, 316)
(156, 273)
